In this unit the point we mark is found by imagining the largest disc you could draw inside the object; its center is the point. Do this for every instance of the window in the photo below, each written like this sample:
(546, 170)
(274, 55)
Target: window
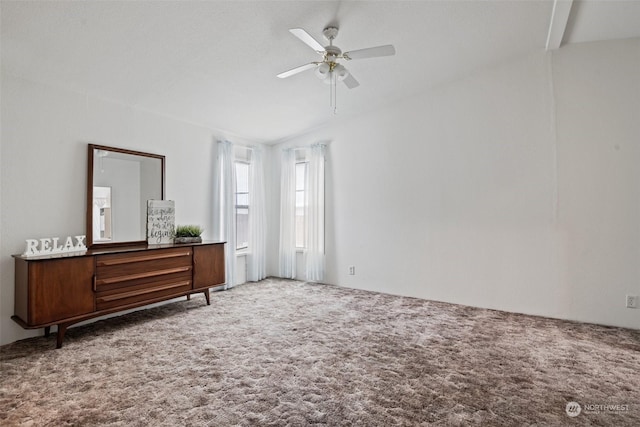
(301, 174)
(242, 205)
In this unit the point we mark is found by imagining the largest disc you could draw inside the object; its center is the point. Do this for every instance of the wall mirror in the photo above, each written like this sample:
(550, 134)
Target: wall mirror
(119, 183)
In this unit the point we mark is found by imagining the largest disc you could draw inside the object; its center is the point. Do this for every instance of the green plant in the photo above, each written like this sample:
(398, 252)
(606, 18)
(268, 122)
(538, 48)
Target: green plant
(188, 230)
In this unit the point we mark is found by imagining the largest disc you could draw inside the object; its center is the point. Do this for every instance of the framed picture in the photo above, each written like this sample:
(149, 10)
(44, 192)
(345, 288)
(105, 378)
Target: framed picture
(161, 221)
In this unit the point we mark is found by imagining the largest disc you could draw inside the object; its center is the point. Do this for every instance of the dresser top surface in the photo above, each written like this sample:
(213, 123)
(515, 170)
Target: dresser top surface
(112, 250)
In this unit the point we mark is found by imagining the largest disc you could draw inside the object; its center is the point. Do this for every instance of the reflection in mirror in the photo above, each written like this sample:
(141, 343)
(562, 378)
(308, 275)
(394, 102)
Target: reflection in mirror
(101, 214)
(120, 183)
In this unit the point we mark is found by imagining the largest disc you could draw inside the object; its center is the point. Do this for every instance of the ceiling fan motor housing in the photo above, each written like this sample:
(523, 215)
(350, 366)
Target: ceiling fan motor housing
(330, 33)
(332, 53)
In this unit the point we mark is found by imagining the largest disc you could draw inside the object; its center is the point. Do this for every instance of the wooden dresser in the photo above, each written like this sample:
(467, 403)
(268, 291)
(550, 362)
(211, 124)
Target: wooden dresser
(66, 289)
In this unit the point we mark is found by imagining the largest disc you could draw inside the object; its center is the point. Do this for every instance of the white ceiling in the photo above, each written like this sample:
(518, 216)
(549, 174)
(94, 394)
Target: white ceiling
(214, 63)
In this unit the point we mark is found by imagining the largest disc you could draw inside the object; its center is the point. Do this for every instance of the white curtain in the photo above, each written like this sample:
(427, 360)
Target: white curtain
(224, 207)
(287, 253)
(314, 185)
(256, 258)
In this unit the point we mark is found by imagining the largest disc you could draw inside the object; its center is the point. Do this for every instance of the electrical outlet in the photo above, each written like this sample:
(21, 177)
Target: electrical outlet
(352, 270)
(632, 301)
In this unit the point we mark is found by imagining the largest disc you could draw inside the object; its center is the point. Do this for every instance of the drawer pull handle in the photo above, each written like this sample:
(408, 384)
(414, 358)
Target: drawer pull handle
(151, 257)
(142, 275)
(124, 295)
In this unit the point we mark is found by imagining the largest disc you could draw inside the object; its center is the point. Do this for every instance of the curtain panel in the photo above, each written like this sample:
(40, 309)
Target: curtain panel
(315, 258)
(287, 252)
(256, 258)
(224, 207)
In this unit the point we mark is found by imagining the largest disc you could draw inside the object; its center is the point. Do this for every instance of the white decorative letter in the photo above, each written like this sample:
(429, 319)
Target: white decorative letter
(46, 248)
(32, 247)
(80, 242)
(68, 244)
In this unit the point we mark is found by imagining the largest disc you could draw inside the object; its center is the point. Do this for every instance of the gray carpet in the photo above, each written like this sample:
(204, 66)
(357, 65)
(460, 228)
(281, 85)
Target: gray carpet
(288, 353)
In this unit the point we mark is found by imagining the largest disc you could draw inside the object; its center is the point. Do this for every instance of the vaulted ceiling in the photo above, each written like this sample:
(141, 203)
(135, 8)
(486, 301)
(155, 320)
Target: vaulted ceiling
(214, 63)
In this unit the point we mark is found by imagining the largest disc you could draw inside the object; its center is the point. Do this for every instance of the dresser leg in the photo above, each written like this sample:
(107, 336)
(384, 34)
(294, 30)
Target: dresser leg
(206, 295)
(62, 329)
(47, 331)
(189, 297)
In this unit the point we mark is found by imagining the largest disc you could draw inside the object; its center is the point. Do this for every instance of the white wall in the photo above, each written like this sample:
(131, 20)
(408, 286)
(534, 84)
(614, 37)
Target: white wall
(45, 131)
(502, 190)
(598, 115)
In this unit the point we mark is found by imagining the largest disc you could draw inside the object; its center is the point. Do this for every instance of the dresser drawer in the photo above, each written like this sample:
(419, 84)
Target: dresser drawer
(123, 270)
(159, 289)
(127, 278)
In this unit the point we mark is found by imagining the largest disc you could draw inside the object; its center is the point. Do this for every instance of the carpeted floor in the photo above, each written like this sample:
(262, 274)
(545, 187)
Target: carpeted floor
(289, 353)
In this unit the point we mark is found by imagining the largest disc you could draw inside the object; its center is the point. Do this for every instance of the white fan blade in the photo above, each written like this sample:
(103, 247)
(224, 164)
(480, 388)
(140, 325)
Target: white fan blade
(350, 81)
(297, 70)
(307, 39)
(370, 52)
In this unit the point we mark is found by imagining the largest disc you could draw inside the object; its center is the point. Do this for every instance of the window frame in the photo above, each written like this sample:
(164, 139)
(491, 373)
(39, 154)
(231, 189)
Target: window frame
(305, 162)
(235, 203)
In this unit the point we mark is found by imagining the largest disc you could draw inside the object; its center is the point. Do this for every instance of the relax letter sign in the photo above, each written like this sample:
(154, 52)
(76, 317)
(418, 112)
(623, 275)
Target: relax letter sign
(53, 245)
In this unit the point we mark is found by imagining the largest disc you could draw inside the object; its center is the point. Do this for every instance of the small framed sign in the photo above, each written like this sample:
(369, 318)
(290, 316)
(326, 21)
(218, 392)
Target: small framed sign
(161, 221)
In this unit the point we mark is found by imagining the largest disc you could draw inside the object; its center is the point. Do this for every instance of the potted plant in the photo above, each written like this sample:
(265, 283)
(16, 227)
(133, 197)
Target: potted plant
(188, 234)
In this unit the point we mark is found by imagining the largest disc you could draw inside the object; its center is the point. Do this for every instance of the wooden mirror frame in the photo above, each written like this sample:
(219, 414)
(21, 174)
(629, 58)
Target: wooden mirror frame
(90, 184)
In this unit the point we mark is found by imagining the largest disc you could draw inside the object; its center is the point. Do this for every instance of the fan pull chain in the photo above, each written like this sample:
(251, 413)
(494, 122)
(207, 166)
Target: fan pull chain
(335, 97)
(333, 93)
(332, 88)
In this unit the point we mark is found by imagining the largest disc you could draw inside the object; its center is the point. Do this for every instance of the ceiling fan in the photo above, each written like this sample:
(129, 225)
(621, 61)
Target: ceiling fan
(329, 69)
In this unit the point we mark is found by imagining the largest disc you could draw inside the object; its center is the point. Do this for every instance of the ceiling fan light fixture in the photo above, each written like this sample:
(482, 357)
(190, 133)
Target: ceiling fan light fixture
(341, 72)
(330, 79)
(323, 70)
